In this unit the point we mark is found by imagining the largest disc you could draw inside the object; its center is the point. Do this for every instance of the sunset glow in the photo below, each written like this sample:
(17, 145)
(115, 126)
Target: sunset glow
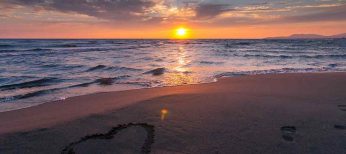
(181, 33)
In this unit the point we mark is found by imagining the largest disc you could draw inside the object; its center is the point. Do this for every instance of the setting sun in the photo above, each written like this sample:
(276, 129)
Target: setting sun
(181, 33)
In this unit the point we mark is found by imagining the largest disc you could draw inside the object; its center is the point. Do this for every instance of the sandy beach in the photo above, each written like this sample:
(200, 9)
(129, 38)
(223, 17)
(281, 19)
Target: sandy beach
(282, 113)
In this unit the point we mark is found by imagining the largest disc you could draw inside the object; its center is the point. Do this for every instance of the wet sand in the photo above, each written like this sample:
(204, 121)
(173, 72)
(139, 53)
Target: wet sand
(285, 113)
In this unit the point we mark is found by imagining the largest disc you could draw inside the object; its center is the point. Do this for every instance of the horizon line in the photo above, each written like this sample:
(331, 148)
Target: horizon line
(167, 38)
(268, 38)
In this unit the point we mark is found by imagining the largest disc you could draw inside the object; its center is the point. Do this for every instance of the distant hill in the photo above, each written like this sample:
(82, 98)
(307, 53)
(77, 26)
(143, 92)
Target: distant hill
(340, 36)
(309, 36)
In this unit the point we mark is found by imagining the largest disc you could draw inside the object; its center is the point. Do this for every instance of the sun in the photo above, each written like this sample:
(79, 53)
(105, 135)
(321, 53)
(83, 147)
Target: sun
(181, 33)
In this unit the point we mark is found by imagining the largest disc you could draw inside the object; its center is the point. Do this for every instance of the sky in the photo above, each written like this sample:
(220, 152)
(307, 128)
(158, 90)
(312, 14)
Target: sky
(159, 18)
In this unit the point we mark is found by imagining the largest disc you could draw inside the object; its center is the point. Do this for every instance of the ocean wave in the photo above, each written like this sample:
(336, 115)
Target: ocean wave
(28, 95)
(100, 81)
(105, 81)
(236, 44)
(157, 71)
(326, 56)
(93, 42)
(110, 81)
(108, 68)
(98, 67)
(332, 65)
(117, 42)
(5, 45)
(62, 67)
(266, 56)
(39, 49)
(134, 47)
(138, 83)
(6, 51)
(86, 84)
(291, 56)
(30, 84)
(211, 62)
(69, 45)
(27, 53)
(274, 71)
(37, 93)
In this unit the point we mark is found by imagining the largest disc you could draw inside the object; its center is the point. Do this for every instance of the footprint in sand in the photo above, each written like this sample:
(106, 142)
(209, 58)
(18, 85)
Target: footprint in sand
(146, 147)
(342, 107)
(288, 132)
(341, 127)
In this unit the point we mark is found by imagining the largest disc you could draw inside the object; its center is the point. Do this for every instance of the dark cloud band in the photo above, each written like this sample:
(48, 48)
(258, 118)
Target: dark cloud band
(242, 12)
(106, 9)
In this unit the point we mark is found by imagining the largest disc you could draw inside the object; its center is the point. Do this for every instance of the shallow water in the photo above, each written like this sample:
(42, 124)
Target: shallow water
(37, 71)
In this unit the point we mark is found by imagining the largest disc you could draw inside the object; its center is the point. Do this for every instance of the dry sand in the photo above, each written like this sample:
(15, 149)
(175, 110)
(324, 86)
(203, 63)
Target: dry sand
(286, 113)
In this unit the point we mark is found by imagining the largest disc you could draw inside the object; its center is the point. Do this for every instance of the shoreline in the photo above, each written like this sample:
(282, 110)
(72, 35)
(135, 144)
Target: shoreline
(279, 112)
(215, 79)
(219, 79)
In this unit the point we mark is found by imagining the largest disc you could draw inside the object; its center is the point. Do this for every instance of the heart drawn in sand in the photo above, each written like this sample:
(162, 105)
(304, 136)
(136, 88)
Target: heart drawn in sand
(146, 147)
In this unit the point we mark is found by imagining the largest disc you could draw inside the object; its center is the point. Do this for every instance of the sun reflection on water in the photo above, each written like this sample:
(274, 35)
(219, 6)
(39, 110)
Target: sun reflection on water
(181, 73)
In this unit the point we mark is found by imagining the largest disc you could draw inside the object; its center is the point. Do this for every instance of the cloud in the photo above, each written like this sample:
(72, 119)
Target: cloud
(280, 15)
(333, 13)
(151, 12)
(105, 9)
(207, 11)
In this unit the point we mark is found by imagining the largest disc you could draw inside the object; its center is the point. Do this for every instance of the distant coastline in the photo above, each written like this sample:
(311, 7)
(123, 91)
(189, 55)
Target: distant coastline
(309, 36)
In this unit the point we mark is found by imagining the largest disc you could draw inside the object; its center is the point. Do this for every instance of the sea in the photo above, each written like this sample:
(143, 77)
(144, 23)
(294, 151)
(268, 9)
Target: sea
(35, 71)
